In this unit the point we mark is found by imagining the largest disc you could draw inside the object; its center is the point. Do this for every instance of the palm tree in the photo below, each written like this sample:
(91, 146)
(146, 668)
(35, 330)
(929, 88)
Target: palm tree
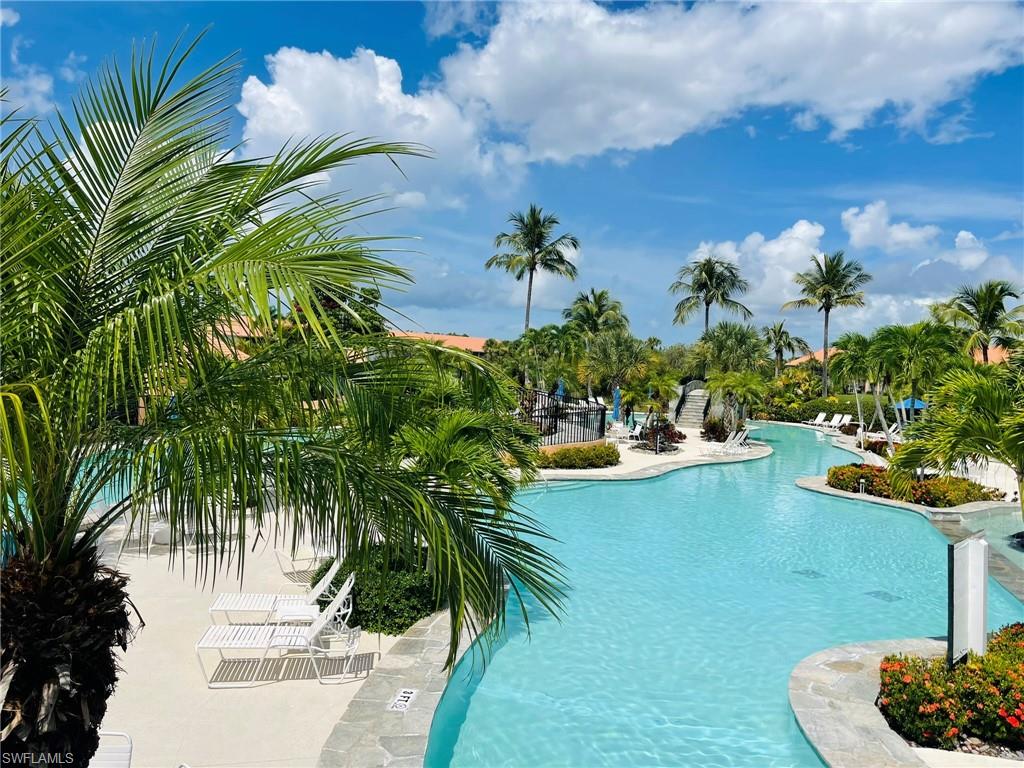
(131, 244)
(594, 312)
(981, 311)
(832, 281)
(780, 341)
(616, 357)
(705, 282)
(532, 247)
(738, 389)
(730, 347)
(852, 365)
(975, 414)
(916, 354)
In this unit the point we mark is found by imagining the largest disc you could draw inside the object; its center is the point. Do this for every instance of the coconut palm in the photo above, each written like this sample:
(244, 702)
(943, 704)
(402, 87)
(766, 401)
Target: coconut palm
(780, 341)
(532, 247)
(705, 282)
(982, 312)
(738, 389)
(593, 312)
(975, 414)
(915, 354)
(730, 347)
(832, 281)
(852, 365)
(131, 246)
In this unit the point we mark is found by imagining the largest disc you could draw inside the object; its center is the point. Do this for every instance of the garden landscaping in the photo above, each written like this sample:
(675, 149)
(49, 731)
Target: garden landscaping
(975, 707)
(580, 457)
(931, 492)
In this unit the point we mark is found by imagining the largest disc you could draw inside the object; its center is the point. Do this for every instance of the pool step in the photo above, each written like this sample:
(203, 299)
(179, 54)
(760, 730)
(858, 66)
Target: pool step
(692, 415)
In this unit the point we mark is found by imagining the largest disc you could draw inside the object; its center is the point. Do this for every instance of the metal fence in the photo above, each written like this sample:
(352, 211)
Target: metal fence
(561, 419)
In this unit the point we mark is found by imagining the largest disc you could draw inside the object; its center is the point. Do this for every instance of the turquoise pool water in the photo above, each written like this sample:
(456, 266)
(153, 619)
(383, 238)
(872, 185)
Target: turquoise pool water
(693, 597)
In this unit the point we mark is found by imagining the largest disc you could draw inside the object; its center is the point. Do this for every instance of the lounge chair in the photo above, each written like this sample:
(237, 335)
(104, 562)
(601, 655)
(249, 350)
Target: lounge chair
(297, 569)
(634, 433)
(284, 638)
(817, 421)
(894, 433)
(717, 449)
(833, 423)
(248, 602)
(114, 751)
(846, 419)
(738, 444)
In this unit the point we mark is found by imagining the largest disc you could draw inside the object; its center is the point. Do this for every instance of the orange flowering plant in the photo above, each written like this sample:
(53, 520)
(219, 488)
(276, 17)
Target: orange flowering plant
(932, 706)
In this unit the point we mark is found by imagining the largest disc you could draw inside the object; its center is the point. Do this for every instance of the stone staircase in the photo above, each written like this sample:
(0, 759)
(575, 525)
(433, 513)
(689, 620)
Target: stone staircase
(692, 415)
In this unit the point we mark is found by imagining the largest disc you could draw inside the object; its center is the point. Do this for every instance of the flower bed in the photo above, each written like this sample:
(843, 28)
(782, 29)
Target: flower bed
(580, 457)
(982, 698)
(932, 492)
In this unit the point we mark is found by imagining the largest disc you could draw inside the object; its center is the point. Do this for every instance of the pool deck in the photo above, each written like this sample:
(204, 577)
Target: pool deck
(640, 465)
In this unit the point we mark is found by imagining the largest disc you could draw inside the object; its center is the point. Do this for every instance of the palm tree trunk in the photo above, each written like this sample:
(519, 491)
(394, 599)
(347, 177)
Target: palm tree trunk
(707, 317)
(896, 409)
(984, 353)
(824, 361)
(880, 413)
(529, 299)
(860, 413)
(778, 362)
(913, 399)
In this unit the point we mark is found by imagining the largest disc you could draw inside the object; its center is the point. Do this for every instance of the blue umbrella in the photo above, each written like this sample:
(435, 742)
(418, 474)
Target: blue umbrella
(616, 403)
(910, 404)
(560, 392)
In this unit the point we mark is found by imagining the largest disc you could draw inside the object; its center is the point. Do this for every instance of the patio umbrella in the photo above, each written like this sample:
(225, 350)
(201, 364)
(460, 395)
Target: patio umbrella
(910, 404)
(616, 403)
(560, 392)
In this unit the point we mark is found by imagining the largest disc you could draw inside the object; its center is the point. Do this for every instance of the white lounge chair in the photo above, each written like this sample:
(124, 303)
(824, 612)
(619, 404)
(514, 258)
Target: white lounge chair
(264, 603)
(634, 433)
(738, 444)
(846, 419)
(297, 569)
(834, 422)
(114, 751)
(816, 421)
(284, 638)
(717, 449)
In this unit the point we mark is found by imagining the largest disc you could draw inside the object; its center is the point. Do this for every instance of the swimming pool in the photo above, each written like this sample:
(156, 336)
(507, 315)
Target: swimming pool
(693, 596)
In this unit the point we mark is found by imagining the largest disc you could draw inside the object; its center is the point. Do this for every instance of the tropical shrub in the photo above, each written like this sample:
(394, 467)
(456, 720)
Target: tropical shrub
(715, 430)
(580, 457)
(774, 409)
(931, 705)
(931, 492)
(391, 593)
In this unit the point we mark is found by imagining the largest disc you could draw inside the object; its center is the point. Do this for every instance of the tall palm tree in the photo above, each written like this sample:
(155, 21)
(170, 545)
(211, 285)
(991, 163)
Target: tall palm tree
(832, 281)
(730, 347)
(975, 414)
(853, 366)
(594, 312)
(531, 247)
(981, 311)
(705, 282)
(916, 354)
(780, 341)
(131, 245)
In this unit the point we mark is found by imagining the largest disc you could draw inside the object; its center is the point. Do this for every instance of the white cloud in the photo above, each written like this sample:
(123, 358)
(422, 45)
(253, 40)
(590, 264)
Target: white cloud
(70, 71)
(935, 202)
(30, 89)
(805, 121)
(751, 131)
(411, 199)
(9, 17)
(577, 78)
(311, 94)
(455, 17)
(871, 226)
(968, 253)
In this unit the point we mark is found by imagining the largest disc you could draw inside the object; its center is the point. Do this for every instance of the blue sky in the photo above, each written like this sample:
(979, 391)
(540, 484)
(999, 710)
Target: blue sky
(655, 132)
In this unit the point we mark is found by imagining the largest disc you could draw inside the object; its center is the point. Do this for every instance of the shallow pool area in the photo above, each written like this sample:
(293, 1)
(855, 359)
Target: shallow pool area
(998, 526)
(693, 596)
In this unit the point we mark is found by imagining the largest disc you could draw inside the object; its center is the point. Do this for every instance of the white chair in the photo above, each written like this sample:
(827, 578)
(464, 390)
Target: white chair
(264, 603)
(846, 419)
(114, 751)
(297, 569)
(833, 423)
(717, 449)
(634, 433)
(284, 638)
(818, 420)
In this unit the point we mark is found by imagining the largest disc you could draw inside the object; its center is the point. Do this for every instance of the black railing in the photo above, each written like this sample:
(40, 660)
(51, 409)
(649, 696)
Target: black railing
(561, 419)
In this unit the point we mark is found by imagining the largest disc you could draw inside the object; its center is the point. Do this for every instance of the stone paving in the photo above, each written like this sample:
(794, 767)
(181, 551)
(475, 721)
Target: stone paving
(369, 735)
(832, 694)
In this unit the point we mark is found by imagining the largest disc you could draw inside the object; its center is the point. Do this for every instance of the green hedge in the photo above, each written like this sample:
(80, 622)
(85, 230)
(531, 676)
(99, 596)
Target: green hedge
(932, 706)
(580, 457)
(809, 409)
(389, 596)
(933, 492)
